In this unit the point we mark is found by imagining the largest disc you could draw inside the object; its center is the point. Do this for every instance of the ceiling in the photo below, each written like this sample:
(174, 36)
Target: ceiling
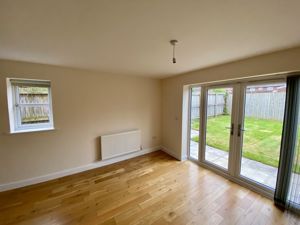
(132, 36)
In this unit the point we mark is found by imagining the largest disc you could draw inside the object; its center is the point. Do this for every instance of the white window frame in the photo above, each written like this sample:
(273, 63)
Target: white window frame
(14, 110)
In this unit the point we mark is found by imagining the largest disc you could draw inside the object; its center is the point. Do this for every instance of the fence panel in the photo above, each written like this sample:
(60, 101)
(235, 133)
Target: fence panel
(269, 105)
(215, 104)
(195, 106)
(31, 114)
(265, 105)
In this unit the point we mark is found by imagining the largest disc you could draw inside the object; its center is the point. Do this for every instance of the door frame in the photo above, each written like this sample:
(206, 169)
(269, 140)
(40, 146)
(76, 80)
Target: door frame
(237, 117)
(204, 126)
(241, 121)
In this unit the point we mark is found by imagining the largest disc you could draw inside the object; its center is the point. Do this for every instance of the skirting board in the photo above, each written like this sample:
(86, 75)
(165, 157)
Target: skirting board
(172, 154)
(40, 179)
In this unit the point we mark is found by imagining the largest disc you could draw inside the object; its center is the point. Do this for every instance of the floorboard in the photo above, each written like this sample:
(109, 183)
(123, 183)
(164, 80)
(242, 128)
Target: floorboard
(151, 189)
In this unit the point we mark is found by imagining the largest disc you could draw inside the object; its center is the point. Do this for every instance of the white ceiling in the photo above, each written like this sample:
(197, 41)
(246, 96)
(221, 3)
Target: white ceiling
(132, 36)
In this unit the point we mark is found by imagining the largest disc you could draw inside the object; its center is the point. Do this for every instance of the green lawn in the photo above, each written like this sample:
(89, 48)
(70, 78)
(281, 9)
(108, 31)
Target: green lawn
(262, 138)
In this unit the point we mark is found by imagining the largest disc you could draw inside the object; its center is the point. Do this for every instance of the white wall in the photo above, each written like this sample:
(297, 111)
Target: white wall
(86, 105)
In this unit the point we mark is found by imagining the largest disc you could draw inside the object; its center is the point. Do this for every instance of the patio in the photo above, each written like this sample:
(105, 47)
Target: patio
(254, 170)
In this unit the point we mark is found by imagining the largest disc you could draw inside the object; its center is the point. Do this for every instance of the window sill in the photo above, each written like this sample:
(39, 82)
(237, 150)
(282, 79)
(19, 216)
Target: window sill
(32, 130)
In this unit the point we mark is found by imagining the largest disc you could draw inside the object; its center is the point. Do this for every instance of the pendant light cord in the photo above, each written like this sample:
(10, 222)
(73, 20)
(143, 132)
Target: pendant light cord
(174, 59)
(174, 42)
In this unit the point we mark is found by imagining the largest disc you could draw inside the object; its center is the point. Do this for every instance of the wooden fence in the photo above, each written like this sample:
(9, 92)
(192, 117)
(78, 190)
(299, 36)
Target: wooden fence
(37, 113)
(269, 105)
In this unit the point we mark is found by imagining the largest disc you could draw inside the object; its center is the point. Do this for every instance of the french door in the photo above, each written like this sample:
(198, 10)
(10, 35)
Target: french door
(219, 117)
(237, 129)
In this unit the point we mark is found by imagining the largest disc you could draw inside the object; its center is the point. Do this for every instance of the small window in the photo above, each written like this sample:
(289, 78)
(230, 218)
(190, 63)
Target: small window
(30, 106)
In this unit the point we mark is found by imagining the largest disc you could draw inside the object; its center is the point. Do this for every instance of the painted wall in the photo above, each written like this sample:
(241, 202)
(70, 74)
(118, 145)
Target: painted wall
(283, 61)
(86, 105)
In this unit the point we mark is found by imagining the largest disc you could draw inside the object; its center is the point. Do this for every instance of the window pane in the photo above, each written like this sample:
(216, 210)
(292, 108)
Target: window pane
(34, 114)
(218, 126)
(264, 111)
(195, 122)
(33, 95)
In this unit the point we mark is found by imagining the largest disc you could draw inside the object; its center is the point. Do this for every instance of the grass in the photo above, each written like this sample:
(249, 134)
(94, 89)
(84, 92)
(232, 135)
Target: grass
(261, 140)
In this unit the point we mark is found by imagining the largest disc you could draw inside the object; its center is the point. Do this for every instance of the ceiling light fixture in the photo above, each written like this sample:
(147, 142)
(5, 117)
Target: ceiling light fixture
(173, 43)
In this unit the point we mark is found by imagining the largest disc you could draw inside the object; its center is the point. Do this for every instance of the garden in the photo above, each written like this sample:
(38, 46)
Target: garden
(261, 139)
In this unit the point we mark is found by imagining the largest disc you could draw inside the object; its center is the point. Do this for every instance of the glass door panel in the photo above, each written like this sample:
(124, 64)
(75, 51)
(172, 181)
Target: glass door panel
(194, 122)
(261, 131)
(218, 125)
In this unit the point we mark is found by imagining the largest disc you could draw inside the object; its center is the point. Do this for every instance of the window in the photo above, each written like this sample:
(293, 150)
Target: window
(29, 105)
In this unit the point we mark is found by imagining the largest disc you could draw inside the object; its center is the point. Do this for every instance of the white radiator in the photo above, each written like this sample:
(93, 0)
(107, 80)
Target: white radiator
(119, 144)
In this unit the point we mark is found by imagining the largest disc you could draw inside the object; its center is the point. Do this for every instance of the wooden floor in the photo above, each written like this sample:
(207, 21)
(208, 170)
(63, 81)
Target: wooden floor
(151, 189)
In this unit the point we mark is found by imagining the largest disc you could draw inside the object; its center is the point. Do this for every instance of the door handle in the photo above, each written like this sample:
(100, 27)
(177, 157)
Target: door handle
(240, 129)
(231, 128)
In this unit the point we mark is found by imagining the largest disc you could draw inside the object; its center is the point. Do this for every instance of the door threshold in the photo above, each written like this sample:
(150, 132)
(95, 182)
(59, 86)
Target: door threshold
(264, 192)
